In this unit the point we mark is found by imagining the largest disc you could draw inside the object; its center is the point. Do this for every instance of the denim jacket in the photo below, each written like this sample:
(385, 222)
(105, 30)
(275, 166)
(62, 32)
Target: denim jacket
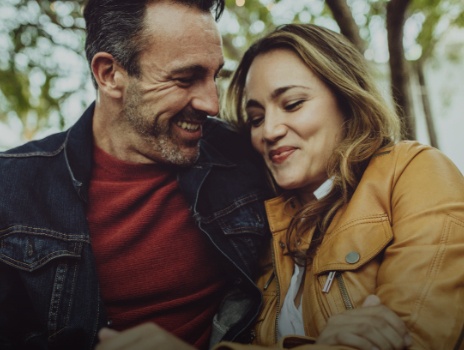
(49, 291)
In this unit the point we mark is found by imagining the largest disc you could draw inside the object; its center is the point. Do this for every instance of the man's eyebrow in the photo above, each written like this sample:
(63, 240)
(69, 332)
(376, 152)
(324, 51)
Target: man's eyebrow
(194, 68)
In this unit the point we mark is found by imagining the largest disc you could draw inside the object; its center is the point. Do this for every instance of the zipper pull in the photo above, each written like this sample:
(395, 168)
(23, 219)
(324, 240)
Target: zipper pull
(328, 282)
(268, 283)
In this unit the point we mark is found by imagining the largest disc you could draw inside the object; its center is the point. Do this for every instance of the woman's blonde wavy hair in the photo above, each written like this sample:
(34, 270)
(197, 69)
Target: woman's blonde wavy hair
(369, 125)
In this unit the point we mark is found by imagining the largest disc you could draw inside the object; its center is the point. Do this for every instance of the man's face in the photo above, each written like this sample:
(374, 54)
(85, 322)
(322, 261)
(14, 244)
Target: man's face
(165, 107)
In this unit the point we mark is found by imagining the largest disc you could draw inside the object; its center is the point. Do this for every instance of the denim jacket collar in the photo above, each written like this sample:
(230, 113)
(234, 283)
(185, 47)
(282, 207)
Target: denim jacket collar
(79, 152)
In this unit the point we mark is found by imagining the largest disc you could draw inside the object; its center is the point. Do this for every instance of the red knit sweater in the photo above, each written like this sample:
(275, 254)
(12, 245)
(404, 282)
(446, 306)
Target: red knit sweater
(153, 262)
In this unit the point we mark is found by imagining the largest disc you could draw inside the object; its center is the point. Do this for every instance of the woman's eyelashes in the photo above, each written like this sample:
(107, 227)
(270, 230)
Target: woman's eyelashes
(294, 105)
(255, 118)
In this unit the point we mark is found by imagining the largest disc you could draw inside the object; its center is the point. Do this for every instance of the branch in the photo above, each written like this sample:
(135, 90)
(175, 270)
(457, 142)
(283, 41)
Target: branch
(342, 14)
(396, 18)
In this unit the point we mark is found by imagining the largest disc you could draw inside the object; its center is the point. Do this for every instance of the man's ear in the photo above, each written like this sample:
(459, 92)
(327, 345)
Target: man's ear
(110, 76)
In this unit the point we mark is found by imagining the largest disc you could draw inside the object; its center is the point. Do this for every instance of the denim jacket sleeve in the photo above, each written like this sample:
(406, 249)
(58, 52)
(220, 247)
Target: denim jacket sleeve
(49, 297)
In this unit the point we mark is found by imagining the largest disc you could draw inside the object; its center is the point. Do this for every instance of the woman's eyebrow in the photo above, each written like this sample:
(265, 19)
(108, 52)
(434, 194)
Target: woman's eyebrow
(253, 103)
(279, 91)
(275, 94)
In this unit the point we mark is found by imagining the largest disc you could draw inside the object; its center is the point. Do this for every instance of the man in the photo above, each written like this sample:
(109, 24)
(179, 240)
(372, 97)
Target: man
(144, 212)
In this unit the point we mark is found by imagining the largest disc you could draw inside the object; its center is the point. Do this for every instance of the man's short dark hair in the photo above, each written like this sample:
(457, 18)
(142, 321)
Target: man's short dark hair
(116, 27)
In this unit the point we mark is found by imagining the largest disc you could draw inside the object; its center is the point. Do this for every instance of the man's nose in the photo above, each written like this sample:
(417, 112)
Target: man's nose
(206, 98)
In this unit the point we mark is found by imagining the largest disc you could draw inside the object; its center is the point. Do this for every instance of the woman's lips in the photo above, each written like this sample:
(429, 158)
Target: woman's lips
(280, 154)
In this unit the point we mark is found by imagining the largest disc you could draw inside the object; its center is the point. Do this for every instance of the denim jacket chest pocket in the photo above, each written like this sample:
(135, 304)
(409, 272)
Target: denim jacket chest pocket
(48, 287)
(244, 215)
(29, 248)
(46, 263)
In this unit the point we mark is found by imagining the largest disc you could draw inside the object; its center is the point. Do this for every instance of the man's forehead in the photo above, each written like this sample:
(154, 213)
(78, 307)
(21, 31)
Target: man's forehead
(181, 39)
(182, 27)
(175, 16)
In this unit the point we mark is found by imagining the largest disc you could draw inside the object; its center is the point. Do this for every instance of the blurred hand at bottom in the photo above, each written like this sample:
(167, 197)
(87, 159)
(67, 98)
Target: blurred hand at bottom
(371, 327)
(147, 336)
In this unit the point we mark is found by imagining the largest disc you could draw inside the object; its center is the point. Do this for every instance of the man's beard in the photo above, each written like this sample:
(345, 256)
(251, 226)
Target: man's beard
(168, 148)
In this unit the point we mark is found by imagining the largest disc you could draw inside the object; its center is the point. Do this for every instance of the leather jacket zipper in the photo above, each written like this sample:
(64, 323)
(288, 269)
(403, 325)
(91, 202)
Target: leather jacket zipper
(344, 291)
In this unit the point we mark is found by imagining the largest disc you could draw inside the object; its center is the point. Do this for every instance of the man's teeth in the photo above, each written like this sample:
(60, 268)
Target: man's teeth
(188, 126)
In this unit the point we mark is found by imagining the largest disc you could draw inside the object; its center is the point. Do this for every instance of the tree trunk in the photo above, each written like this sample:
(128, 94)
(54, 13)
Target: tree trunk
(426, 104)
(342, 14)
(401, 94)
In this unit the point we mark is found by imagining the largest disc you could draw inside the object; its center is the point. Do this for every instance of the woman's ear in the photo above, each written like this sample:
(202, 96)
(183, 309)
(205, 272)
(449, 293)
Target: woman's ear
(109, 75)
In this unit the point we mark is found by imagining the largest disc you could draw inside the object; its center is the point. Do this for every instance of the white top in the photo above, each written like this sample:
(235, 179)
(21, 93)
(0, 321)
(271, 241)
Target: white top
(291, 318)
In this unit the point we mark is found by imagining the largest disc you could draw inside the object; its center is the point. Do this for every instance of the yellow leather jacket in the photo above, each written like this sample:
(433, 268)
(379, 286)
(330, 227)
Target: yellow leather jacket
(400, 237)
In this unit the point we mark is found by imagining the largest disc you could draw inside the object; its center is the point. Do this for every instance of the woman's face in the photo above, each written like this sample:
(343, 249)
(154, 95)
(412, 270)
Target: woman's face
(295, 120)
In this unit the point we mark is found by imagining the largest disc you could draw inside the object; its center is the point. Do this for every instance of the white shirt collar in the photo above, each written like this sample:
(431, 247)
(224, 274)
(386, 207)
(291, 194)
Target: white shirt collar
(324, 189)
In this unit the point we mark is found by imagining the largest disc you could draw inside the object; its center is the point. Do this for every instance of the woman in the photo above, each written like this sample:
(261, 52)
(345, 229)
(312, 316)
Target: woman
(359, 212)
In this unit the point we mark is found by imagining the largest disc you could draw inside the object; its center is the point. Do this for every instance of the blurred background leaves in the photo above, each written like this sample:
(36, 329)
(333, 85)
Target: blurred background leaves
(44, 77)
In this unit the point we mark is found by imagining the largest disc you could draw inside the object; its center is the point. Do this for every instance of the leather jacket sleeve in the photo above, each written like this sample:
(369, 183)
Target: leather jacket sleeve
(421, 277)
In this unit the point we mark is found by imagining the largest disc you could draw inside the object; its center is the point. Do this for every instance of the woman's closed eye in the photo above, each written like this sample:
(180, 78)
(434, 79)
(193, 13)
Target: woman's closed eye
(294, 105)
(255, 121)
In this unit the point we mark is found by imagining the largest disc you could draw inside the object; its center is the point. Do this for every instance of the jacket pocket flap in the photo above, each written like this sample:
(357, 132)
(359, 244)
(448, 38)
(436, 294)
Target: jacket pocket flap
(245, 215)
(29, 248)
(353, 244)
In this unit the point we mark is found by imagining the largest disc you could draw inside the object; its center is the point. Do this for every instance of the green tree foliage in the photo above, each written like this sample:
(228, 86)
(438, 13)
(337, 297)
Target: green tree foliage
(247, 20)
(436, 17)
(41, 66)
(43, 72)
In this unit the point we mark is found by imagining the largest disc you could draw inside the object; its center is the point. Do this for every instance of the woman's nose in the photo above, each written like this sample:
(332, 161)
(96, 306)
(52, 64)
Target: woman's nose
(273, 129)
